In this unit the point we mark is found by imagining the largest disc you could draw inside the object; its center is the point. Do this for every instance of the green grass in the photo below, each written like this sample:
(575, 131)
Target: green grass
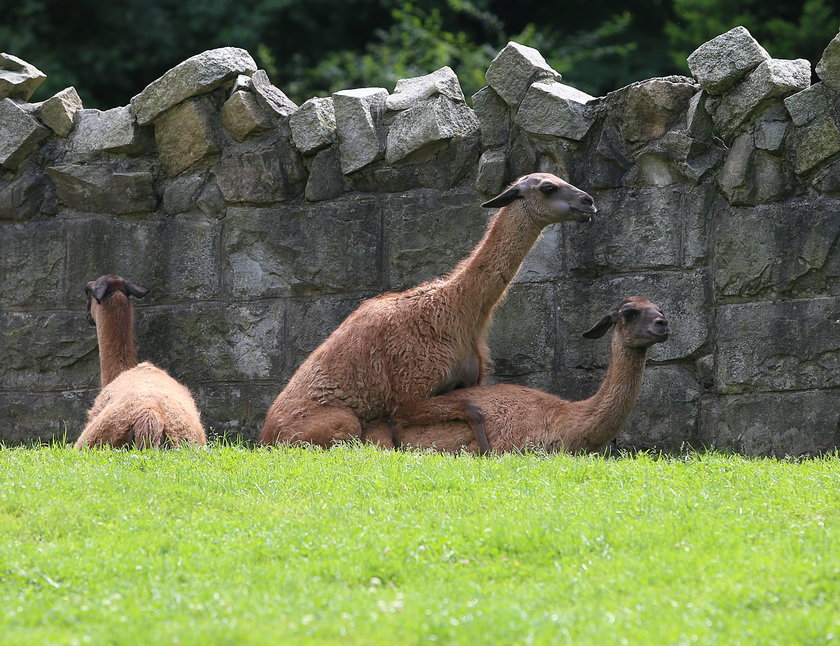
(232, 545)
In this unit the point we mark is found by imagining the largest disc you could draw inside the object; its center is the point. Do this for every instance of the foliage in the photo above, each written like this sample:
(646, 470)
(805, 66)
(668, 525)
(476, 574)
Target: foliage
(358, 546)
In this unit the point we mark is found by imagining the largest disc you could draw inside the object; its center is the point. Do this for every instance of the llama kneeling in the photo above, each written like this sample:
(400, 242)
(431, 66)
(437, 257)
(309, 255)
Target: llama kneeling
(138, 404)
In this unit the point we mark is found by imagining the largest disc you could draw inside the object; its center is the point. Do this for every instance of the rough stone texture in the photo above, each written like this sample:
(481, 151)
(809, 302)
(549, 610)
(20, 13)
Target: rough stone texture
(358, 118)
(726, 59)
(113, 131)
(199, 74)
(411, 92)
(58, 111)
(313, 125)
(772, 78)
(20, 134)
(555, 110)
(514, 69)
(434, 120)
(254, 251)
(18, 79)
(828, 67)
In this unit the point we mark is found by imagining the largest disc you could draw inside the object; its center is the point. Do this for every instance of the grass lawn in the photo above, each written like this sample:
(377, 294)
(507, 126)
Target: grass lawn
(232, 545)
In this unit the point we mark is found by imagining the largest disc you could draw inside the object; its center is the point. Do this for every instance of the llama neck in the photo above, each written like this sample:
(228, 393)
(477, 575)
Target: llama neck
(115, 333)
(485, 274)
(609, 408)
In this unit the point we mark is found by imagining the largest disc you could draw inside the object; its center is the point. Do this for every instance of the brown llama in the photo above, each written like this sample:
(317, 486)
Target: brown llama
(398, 348)
(139, 404)
(516, 417)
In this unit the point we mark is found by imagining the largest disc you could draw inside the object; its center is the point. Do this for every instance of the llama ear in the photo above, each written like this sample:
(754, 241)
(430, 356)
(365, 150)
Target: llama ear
(135, 290)
(504, 198)
(601, 327)
(100, 290)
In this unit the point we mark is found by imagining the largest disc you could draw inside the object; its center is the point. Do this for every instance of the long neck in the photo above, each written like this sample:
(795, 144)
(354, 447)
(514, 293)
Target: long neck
(115, 333)
(481, 278)
(608, 408)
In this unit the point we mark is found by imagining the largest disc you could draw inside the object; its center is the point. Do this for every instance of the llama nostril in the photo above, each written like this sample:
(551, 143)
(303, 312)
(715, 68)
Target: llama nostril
(588, 201)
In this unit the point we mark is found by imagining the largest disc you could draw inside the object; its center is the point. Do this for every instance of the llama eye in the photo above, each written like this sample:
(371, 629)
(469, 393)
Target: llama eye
(628, 313)
(548, 189)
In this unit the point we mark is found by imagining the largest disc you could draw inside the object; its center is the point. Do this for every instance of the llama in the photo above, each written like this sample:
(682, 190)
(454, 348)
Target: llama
(398, 348)
(516, 417)
(139, 404)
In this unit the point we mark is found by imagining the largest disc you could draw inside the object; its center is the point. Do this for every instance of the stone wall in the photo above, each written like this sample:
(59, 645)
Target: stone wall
(259, 225)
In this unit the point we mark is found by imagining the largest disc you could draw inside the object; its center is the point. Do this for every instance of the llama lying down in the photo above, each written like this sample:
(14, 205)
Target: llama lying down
(398, 349)
(516, 417)
(138, 404)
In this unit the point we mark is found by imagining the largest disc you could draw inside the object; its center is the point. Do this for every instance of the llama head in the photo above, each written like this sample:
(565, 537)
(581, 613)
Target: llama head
(548, 198)
(100, 291)
(638, 323)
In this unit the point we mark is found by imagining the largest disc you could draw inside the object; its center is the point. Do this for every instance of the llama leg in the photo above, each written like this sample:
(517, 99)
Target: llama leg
(321, 426)
(438, 410)
(379, 433)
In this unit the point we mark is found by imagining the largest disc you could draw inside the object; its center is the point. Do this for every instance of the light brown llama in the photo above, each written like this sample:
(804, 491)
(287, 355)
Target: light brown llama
(516, 417)
(396, 349)
(139, 404)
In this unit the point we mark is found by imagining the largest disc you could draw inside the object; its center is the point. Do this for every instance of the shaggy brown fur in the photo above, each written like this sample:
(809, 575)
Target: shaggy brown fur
(138, 403)
(516, 417)
(396, 349)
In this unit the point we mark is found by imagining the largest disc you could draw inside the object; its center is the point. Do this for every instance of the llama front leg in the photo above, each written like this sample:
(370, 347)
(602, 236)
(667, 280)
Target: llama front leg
(437, 412)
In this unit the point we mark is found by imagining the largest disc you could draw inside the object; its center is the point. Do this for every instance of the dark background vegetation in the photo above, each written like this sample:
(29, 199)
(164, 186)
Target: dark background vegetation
(110, 51)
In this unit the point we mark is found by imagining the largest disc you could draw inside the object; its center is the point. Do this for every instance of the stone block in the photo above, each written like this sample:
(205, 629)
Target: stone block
(326, 181)
(555, 110)
(271, 98)
(427, 233)
(810, 103)
(607, 164)
(828, 67)
(771, 79)
(18, 79)
(32, 264)
(113, 131)
(646, 110)
(57, 112)
(726, 59)
(235, 411)
(814, 143)
(181, 193)
(436, 119)
(197, 75)
(186, 135)
(22, 197)
(522, 336)
(775, 424)
(493, 117)
(492, 173)
(413, 91)
(243, 116)
(32, 417)
(770, 135)
(262, 170)
(698, 121)
(313, 126)
(20, 134)
(514, 69)
(358, 118)
(777, 251)
(778, 346)
(100, 188)
(282, 251)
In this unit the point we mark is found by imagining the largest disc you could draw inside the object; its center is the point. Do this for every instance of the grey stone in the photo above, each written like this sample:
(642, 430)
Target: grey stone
(99, 188)
(410, 92)
(199, 74)
(58, 111)
(826, 181)
(514, 69)
(492, 172)
(262, 170)
(283, 251)
(18, 79)
(555, 110)
(810, 103)
(436, 119)
(777, 424)
(804, 353)
(751, 176)
(272, 98)
(326, 181)
(241, 83)
(769, 135)
(186, 135)
(493, 116)
(313, 126)
(180, 194)
(32, 264)
(648, 109)
(243, 116)
(697, 119)
(772, 78)
(32, 417)
(22, 198)
(20, 134)
(235, 409)
(608, 162)
(523, 334)
(110, 131)
(828, 67)
(358, 117)
(726, 59)
(812, 144)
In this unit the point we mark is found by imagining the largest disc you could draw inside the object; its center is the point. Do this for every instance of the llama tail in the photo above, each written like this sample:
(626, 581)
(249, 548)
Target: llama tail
(148, 431)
